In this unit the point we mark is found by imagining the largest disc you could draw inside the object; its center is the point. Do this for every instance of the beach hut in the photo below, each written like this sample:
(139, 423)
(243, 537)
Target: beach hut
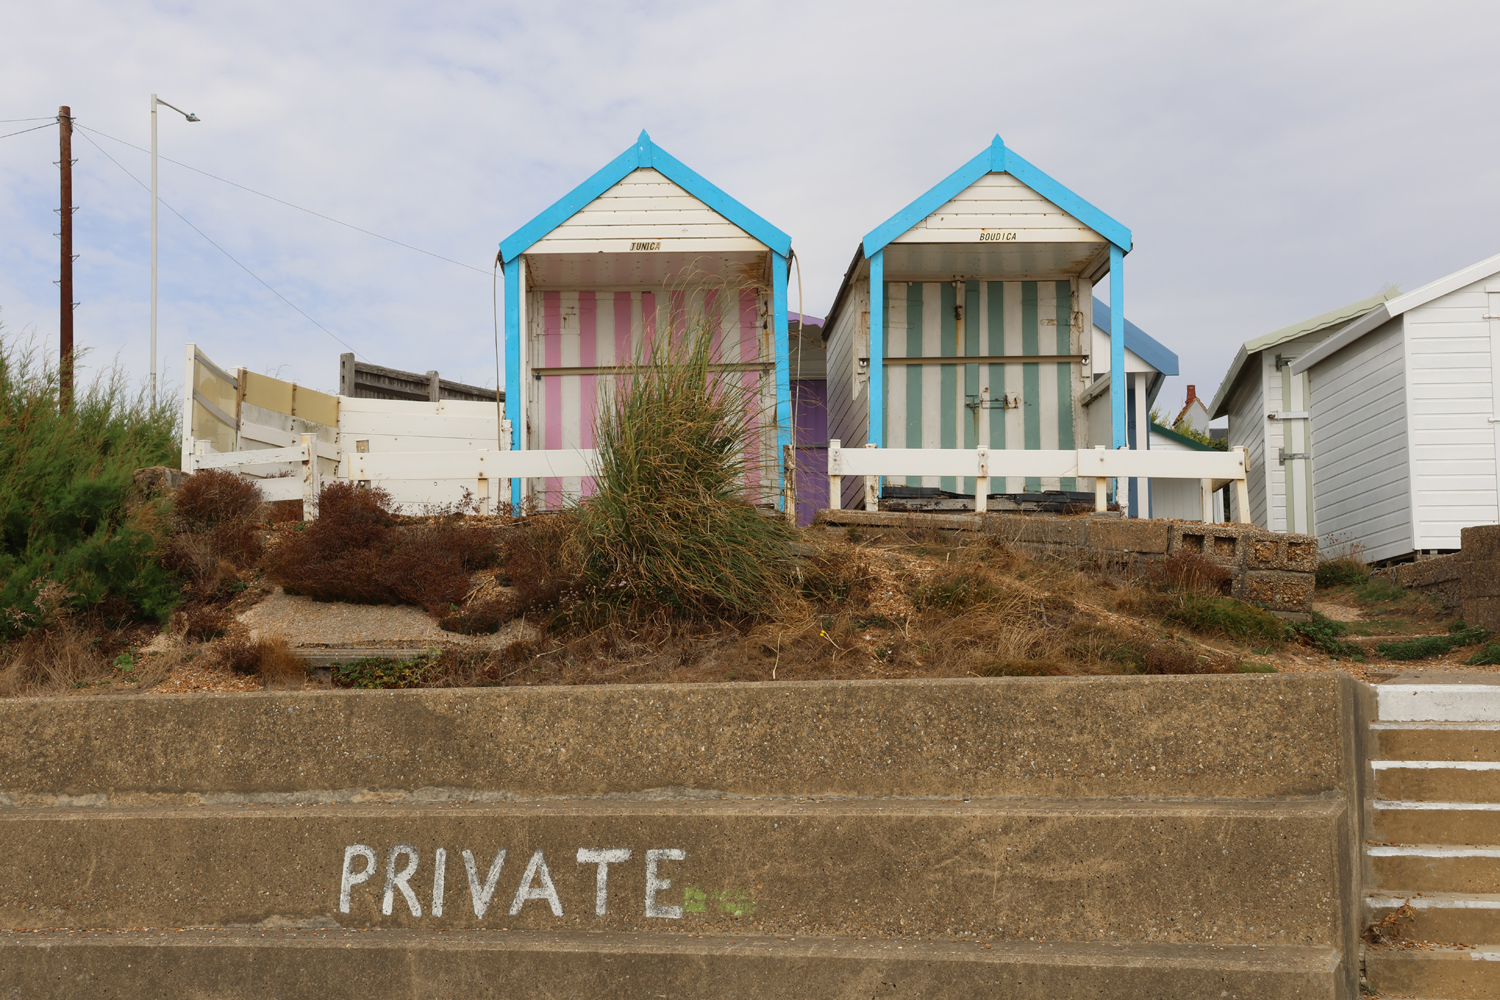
(634, 253)
(963, 322)
(1147, 365)
(1267, 407)
(1406, 403)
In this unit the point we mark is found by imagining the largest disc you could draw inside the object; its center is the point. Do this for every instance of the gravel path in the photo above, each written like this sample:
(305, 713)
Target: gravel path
(306, 623)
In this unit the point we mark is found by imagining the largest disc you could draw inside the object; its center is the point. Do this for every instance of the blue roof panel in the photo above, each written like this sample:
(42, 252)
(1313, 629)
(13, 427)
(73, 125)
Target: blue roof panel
(1144, 346)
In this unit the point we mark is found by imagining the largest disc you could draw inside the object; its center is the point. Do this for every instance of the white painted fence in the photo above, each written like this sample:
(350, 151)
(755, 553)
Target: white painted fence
(1212, 470)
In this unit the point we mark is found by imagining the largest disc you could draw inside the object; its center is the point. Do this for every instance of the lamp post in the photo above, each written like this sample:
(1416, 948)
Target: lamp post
(192, 118)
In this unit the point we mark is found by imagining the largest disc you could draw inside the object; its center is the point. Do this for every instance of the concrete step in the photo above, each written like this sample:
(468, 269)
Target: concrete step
(1433, 868)
(1435, 740)
(1437, 780)
(1451, 823)
(1216, 872)
(1450, 973)
(1442, 916)
(230, 964)
(1477, 699)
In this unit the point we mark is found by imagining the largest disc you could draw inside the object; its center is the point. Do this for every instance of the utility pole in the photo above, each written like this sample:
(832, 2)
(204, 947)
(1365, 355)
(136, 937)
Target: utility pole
(65, 276)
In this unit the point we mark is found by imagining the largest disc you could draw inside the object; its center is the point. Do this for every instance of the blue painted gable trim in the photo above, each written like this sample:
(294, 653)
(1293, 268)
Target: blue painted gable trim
(644, 153)
(997, 159)
(1144, 346)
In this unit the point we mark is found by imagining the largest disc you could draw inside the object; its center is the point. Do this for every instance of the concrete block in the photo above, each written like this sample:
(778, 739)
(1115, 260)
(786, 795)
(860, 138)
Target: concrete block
(1481, 541)
(1276, 589)
(1435, 972)
(1125, 535)
(1053, 531)
(1458, 823)
(1435, 869)
(1483, 611)
(1430, 572)
(1301, 554)
(1220, 544)
(1440, 917)
(332, 964)
(1481, 578)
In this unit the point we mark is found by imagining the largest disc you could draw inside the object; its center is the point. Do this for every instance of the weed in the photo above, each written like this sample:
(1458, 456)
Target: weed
(956, 587)
(1326, 634)
(1224, 616)
(1425, 646)
(384, 672)
(1256, 668)
(1488, 656)
(1380, 589)
(1189, 572)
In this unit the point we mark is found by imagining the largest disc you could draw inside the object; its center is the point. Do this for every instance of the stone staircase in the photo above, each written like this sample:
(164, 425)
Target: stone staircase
(1170, 837)
(1434, 836)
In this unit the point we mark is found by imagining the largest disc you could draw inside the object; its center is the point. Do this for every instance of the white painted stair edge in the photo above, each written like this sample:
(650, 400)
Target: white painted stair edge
(1438, 702)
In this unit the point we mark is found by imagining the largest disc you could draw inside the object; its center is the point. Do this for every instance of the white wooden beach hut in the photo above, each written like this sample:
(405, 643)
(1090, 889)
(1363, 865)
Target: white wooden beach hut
(632, 254)
(1406, 403)
(963, 322)
(1268, 416)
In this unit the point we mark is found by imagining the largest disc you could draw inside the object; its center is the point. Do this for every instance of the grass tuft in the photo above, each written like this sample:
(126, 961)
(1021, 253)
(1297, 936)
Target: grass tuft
(1326, 634)
(1425, 646)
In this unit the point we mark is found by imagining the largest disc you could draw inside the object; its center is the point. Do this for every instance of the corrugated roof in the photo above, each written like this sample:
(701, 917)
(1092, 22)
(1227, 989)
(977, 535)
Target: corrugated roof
(1335, 317)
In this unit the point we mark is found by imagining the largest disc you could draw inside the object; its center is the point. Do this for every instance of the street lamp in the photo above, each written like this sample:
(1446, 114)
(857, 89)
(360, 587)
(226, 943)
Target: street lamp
(192, 118)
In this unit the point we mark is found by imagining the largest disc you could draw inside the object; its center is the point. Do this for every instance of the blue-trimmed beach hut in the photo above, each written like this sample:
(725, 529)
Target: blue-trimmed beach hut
(627, 256)
(965, 320)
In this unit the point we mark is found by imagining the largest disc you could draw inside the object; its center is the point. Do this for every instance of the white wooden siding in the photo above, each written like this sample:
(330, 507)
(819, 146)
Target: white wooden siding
(1361, 481)
(1247, 420)
(646, 207)
(848, 396)
(1450, 399)
(994, 204)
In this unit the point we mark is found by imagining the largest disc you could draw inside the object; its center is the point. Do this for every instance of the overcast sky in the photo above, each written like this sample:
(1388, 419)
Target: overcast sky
(1273, 161)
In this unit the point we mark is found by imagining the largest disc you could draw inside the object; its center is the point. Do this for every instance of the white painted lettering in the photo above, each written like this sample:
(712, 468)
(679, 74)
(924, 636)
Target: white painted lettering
(603, 858)
(394, 880)
(439, 875)
(350, 878)
(482, 896)
(537, 868)
(655, 885)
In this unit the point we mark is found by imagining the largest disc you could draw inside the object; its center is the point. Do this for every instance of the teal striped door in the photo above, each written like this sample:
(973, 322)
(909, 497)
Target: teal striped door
(934, 404)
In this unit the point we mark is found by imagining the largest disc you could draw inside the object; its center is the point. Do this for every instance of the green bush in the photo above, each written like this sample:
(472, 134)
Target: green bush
(1226, 617)
(1326, 634)
(1380, 589)
(65, 482)
(673, 528)
(1422, 647)
(384, 672)
(1486, 657)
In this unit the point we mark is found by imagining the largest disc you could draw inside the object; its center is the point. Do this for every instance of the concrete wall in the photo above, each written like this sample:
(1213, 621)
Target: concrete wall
(1066, 837)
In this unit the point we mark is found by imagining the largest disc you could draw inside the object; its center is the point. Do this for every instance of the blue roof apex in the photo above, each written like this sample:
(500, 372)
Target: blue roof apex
(1001, 160)
(644, 153)
(1138, 342)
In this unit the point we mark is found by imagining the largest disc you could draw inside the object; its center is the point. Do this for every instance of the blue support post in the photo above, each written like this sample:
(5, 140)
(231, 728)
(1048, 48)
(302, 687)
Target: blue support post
(513, 387)
(1117, 377)
(783, 370)
(876, 433)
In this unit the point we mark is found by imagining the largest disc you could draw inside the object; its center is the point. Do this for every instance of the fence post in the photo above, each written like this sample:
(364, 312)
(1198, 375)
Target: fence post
(835, 475)
(504, 484)
(982, 481)
(871, 500)
(1101, 488)
(310, 477)
(789, 482)
(1242, 487)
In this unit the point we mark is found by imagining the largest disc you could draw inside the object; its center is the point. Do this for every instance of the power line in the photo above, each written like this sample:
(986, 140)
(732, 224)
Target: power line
(282, 201)
(48, 125)
(43, 118)
(221, 250)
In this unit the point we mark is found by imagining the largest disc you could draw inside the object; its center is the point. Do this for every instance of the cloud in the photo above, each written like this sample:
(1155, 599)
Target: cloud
(1272, 163)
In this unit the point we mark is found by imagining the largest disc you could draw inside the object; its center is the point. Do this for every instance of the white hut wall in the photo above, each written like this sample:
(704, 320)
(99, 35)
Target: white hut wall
(1361, 482)
(848, 382)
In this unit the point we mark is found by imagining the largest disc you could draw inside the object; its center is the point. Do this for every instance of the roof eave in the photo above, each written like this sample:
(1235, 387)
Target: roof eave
(1371, 320)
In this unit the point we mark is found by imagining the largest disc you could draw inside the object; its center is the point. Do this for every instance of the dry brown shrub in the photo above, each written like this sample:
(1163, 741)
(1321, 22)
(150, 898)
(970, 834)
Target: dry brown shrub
(279, 665)
(1189, 572)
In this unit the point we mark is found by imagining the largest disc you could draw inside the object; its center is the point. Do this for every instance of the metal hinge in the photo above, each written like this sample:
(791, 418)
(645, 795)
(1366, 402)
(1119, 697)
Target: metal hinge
(1282, 361)
(1282, 457)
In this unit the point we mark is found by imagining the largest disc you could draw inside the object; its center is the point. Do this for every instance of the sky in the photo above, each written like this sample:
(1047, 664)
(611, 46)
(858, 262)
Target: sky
(1273, 161)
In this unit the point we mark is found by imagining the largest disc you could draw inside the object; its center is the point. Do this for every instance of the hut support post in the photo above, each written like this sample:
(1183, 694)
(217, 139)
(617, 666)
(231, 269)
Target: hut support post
(783, 371)
(1117, 348)
(835, 475)
(875, 428)
(513, 366)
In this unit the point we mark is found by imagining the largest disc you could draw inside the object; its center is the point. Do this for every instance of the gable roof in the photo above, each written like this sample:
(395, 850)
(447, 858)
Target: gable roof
(1000, 160)
(644, 153)
(1179, 438)
(1336, 317)
(1138, 342)
(1394, 307)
